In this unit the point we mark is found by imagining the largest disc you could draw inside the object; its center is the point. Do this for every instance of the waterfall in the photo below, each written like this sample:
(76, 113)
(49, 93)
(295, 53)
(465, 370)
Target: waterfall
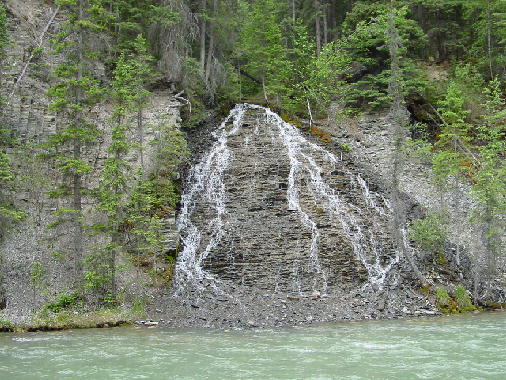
(205, 182)
(308, 166)
(364, 244)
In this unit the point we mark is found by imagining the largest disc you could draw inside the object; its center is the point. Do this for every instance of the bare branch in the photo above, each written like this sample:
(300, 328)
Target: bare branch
(39, 44)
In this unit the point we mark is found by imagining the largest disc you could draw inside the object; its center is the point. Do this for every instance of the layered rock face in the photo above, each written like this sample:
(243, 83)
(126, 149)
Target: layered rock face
(266, 211)
(273, 210)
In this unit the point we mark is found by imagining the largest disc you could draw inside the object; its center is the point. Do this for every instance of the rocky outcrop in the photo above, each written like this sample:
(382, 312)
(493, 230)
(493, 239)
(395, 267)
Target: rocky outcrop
(277, 229)
(371, 142)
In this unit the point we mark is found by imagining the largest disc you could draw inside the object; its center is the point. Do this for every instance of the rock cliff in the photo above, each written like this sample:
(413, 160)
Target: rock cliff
(277, 229)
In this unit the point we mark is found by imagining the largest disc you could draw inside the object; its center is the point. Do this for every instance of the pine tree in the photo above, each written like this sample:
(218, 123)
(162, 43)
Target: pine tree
(8, 213)
(5, 169)
(131, 74)
(261, 45)
(400, 120)
(76, 92)
(490, 182)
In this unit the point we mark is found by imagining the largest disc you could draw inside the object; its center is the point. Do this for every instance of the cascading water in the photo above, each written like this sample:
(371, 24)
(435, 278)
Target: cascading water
(206, 182)
(205, 222)
(365, 247)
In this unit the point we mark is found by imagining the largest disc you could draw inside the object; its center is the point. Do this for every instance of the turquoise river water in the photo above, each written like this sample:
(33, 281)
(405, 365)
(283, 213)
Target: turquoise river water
(461, 347)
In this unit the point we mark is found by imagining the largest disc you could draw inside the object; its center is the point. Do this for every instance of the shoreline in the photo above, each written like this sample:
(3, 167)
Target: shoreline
(153, 323)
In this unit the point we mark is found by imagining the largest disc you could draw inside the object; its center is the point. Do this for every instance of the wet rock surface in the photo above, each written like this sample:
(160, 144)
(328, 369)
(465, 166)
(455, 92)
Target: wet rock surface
(248, 307)
(277, 230)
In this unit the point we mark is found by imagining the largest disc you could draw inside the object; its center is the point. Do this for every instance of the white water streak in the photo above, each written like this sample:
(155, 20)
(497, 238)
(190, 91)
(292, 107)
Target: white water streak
(207, 180)
(364, 243)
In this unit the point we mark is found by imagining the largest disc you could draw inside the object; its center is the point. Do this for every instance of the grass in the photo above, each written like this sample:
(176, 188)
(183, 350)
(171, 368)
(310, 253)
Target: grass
(66, 320)
(5, 325)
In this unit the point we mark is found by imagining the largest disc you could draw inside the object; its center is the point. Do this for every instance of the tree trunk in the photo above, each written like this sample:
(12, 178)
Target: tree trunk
(116, 240)
(400, 120)
(77, 177)
(210, 51)
(334, 15)
(325, 26)
(489, 40)
(203, 24)
(489, 237)
(293, 12)
(140, 136)
(317, 29)
(264, 90)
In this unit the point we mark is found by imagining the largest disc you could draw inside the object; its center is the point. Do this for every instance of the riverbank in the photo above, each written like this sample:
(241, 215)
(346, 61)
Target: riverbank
(109, 318)
(72, 320)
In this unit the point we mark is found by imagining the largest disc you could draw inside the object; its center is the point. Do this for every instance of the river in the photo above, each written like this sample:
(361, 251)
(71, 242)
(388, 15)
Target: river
(458, 347)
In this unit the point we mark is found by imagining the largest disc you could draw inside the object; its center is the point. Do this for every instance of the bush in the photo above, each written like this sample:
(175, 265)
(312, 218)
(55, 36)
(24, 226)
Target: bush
(460, 303)
(442, 297)
(64, 301)
(5, 324)
(464, 302)
(429, 233)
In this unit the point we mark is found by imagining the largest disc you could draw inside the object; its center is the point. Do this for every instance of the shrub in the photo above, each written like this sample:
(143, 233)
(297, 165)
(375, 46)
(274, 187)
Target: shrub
(64, 301)
(460, 303)
(442, 297)
(429, 233)
(464, 302)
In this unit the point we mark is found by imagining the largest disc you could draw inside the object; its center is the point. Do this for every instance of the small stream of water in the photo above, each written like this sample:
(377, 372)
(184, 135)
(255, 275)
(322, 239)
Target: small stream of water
(462, 347)
(307, 163)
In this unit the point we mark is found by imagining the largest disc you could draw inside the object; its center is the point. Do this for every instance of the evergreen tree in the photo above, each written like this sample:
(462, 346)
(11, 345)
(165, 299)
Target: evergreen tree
(490, 182)
(400, 120)
(366, 31)
(76, 92)
(5, 168)
(128, 92)
(8, 212)
(262, 46)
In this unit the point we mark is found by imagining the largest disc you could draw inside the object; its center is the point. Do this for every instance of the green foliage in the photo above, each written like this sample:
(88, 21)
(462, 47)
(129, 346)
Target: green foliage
(441, 258)
(5, 325)
(453, 157)
(6, 174)
(429, 233)
(485, 38)
(195, 89)
(459, 303)
(464, 302)
(366, 41)
(471, 148)
(138, 308)
(489, 185)
(491, 177)
(132, 73)
(63, 301)
(96, 279)
(37, 275)
(72, 97)
(9, 213)
(442, 297)
(143, 223)
(4, 36)
(261, 45)
(345, 148)
(133, 17)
